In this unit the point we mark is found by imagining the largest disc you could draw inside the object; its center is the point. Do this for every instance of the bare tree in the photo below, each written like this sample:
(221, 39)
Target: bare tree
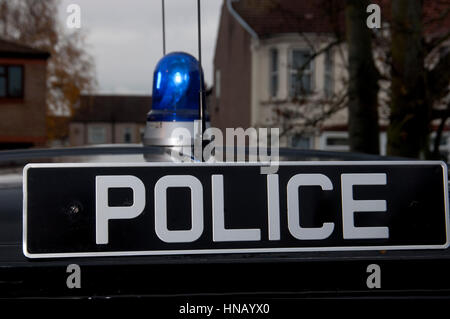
(70, 69)
(420, 76)
(363, 86)
(410, 116)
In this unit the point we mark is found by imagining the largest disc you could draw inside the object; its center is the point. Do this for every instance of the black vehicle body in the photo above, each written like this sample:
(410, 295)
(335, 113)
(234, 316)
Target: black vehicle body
(306, 275)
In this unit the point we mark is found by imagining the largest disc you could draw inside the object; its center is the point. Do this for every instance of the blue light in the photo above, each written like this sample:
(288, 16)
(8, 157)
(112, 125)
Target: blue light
(158, 81)
(177, 79)
(176, 88)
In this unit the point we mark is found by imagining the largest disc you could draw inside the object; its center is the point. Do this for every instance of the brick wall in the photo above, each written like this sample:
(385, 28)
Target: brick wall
(233, 59)
(23, 120)
(79, 132)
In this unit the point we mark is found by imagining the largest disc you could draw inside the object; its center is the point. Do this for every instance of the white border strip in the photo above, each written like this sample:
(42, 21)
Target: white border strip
(239, 250)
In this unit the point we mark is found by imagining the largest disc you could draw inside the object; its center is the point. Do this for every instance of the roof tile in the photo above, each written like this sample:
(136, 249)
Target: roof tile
(113, 108)
(12, 49)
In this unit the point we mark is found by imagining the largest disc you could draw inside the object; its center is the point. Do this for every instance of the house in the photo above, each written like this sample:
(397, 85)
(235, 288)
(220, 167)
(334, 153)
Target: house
(106, 119)
(23, 72)
(261, 47)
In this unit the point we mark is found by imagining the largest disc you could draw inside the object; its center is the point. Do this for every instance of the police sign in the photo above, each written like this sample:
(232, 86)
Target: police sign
(87, 210)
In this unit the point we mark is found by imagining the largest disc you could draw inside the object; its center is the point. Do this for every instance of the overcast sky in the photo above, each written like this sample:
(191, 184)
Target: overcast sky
(125, 38)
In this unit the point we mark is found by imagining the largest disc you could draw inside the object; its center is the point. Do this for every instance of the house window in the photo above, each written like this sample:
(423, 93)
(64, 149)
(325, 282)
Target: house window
(301, 142)
(337, 141)
(334, 141)
(217, 86)
(273, 72)
(328, 76)
(11, 81)
(301, 73)
(97, 135)
(127, 135)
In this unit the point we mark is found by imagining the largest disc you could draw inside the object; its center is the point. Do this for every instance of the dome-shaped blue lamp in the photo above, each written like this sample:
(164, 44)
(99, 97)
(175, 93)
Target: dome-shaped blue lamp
(175, 99)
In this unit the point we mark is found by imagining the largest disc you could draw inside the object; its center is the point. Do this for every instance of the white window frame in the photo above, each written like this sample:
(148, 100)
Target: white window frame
(336, 134)
(333, 134)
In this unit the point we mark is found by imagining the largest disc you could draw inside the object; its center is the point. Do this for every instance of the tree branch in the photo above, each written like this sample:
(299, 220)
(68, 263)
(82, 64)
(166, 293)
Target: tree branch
(437, 139)
(439, 78)
(440, 114)
(434, 43)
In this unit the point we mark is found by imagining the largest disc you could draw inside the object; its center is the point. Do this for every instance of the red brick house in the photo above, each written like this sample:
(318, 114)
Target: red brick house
(260, 46)
(257, 43)
(23, 107)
